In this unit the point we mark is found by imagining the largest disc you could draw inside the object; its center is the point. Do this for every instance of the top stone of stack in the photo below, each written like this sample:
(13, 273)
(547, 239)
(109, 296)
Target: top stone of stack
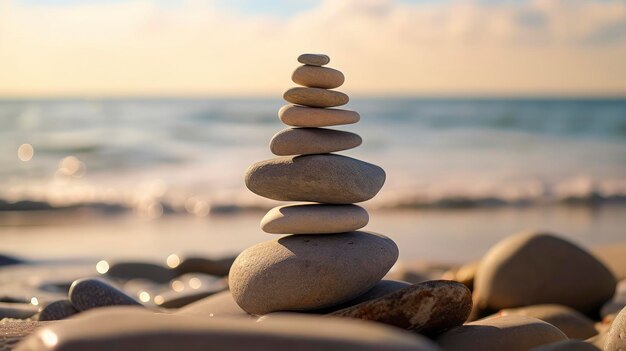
(313, 59)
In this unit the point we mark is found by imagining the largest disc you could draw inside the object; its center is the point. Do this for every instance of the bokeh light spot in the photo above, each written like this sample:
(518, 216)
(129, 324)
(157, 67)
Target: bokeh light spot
(25, 152)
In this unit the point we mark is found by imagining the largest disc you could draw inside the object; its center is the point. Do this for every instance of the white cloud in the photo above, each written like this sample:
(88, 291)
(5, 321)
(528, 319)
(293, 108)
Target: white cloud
(139, 47)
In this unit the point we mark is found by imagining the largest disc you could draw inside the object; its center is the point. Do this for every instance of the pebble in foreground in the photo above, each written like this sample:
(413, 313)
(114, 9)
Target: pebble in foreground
(127, 328)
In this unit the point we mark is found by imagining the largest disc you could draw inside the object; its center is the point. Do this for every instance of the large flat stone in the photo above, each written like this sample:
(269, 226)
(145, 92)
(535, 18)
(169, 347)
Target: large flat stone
(317, 77)
(328, 178)
(307, 272)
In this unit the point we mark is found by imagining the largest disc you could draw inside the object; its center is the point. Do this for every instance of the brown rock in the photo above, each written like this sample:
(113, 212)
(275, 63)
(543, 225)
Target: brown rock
(314, 59)
(315, 97)
(317, 77)
(301, 116)
(428, 308)
(328, 178)
(314, 219)
(382, 288)
(535, 268)
(304, 141)
(307, 272)
(511, 333)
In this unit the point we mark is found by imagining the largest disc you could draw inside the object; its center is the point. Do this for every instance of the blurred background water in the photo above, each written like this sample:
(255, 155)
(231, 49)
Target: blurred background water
(547, 163)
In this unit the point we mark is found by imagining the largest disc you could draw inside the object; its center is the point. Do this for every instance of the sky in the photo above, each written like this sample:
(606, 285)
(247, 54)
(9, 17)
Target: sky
(248, 47)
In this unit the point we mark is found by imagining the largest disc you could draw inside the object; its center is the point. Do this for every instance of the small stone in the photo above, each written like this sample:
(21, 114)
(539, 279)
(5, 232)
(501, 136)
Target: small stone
(6, 260)
(536, 268)
(314, 219)
(304, 141)
(616, 336)
(219, 305)
(328, 178)
(567, 345)
(571, 322)
(511, 333)
(219, 267)
(427, 308)
(317, 77)
(301, 116)
(141, 270)
(315, 97)
(314, 59)
(93, 293)
(130, 329)
(57, 310)
(307, 272)
(17, 310)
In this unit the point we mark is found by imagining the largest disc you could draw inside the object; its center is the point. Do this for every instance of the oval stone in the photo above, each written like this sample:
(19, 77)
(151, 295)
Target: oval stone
(314, 219)
(129, 329)
(57, 310)
(314, 59)
(302, 116)
(88, 293)
(536, 268)
(315, 97)
(571, 322)
(427, 308)
(306, 272)
(304, 141)
(317, 77)
(326, 178)
(511, 333)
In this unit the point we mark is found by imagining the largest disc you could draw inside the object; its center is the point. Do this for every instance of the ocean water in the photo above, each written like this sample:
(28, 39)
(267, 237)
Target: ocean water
(157, 156)
(143, 178)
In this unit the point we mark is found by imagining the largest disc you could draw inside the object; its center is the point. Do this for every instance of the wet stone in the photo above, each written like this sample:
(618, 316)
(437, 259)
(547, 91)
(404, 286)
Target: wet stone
(88, 293)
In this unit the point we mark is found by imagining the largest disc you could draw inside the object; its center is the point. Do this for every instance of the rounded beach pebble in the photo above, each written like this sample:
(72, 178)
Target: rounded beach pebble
(303, 141)
(306, 272)
(315, 97)
(302, 116)
(535, 268)
(130, 329)
(57, 310)
(428, 308)
(511, 333)
(325, 178)
(92, 293)
(314, 59)
(571, 322)
(314, 219)
(317, 77)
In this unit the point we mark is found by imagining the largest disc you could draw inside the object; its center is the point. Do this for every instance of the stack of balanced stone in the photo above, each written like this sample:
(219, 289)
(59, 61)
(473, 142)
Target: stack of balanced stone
(325, 260)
